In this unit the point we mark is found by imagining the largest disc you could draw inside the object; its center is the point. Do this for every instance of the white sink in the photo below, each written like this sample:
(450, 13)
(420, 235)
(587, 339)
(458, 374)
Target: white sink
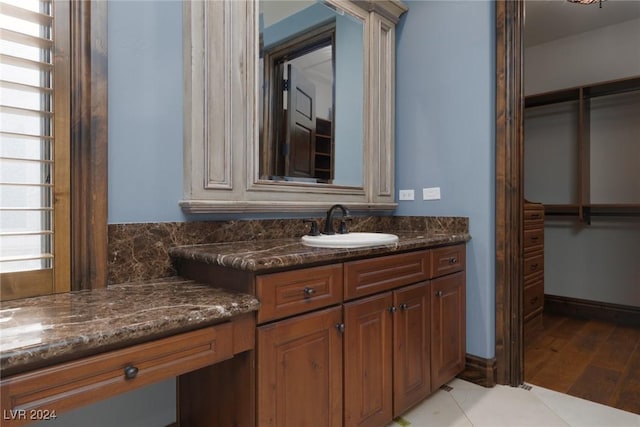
(349, 240)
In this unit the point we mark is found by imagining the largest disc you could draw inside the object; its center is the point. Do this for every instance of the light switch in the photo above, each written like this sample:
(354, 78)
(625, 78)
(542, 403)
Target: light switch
(406, 195)
(432, 193)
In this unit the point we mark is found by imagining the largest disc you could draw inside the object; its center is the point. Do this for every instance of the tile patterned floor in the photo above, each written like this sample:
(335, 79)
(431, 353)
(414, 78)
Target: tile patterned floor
(468, 404)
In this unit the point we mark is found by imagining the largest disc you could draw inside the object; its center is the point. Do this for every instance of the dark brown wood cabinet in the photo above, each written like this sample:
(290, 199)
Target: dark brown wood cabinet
(411, 346)
(448, 326)
(300, 371)
(533, 284)
(368, 363)
(353, 343)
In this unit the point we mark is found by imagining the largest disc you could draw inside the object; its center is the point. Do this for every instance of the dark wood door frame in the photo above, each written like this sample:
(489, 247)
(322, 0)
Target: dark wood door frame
(509, 350)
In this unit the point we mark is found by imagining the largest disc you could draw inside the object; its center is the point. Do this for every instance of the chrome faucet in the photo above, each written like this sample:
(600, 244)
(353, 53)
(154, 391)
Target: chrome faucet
(328, 225)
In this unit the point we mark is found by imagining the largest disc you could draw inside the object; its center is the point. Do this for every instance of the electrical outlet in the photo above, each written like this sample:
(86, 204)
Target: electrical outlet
(432, 193)
(406, 195)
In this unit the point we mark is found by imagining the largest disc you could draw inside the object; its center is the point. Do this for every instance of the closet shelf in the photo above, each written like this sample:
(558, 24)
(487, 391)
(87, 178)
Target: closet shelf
(612, 87)
(586, 212)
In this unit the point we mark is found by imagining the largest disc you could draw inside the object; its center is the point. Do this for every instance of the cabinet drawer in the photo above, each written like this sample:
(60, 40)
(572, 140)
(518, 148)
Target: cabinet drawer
(534, 217)
(446, 260)
(73, 384)
(533, 239)
(533, 299)
(533, 264)
(293, 292)
(373, 275)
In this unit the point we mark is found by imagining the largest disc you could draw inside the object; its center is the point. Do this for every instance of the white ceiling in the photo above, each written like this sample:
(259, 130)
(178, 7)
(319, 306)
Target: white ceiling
(547, 20)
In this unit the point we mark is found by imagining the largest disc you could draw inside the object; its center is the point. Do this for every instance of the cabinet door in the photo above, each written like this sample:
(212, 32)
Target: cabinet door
(300, 371)
(411, 336)
(368, 361)
(448, 339)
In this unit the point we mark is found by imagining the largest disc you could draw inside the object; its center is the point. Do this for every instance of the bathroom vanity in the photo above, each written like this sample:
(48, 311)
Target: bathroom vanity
(344, 336)
(60, 352)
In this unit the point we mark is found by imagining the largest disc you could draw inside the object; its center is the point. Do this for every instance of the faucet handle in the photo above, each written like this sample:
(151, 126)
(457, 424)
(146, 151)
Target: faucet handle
(314, 227)
(343, 224)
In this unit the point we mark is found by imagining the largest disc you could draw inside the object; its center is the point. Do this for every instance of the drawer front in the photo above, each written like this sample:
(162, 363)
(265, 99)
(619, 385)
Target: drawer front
(446, 260)
(533, 299)
(373, 275)
(533, 239)
(533, 216)
(73, 384)
(533, 264)
(293, 292)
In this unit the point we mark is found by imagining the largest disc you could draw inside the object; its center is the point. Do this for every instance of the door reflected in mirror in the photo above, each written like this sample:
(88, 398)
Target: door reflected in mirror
(312, 81)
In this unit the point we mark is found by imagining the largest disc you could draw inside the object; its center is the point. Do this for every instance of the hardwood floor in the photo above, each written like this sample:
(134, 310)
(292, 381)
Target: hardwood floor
(590, 359)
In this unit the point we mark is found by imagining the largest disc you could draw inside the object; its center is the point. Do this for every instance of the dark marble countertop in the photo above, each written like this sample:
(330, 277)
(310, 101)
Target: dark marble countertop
(264, 255)
(49, 329)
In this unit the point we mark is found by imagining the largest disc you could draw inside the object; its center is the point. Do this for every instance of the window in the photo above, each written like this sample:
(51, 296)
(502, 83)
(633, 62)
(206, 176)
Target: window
(34, 151)
(49, 121)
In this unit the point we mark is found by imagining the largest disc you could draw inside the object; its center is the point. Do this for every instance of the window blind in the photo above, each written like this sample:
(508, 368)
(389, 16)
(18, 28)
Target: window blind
(27, 143)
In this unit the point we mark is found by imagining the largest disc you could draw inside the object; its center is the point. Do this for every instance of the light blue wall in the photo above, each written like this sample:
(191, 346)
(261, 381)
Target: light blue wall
(445, 135)
(145, 111)
(349, 92)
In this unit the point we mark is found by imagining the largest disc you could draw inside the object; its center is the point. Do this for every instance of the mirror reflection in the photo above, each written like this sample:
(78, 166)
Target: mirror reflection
(312, 81)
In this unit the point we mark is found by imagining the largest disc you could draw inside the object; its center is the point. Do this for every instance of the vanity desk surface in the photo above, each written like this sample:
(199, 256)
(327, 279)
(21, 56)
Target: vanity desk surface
(45, 330)
(265, 255)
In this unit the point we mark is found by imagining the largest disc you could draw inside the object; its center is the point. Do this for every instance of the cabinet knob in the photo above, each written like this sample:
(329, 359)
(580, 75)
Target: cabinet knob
(438, 293)
(130, 372)
(392, 309)
(453, 260)
(534, 267)
(309, 291)
(533, 300)
(404, 306)
(340, 327)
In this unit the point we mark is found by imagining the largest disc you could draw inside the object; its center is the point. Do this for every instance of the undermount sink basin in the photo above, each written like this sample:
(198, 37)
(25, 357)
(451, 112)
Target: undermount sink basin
(349, 240)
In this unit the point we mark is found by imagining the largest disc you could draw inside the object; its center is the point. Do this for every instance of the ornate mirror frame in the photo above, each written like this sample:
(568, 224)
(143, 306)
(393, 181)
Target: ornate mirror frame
(221, 144)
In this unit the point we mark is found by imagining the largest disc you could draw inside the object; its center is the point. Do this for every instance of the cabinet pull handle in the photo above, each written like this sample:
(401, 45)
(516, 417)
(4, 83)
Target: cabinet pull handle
(535, 216)
(534, 267)
(309, 292)
(340, 327)
(130, 372)
(534, 300)
(392, 309)
(534, 238)
(453, 260)
(438, 293)
(404, 306)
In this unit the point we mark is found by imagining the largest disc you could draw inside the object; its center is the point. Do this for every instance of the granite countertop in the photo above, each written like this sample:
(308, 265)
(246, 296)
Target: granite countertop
(44, 330)
(264, 255)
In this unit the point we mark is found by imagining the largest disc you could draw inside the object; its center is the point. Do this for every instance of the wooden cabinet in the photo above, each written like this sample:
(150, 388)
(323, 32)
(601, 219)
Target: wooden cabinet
(406, 342)
(300, 371)
(368, 361)
(411, 346)
(355, 343)
(448, 326)
(298, 291)
(387, 362)
(533, 284)
(52, 390)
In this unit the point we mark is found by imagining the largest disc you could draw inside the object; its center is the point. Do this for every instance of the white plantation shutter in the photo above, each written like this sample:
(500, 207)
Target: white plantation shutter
(34, 149)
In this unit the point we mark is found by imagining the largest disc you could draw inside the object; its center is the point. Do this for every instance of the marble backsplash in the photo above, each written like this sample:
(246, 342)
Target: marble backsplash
(139, 251)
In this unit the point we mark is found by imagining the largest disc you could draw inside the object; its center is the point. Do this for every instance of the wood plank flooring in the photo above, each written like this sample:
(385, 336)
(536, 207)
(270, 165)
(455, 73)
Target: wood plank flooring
(590, 359)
